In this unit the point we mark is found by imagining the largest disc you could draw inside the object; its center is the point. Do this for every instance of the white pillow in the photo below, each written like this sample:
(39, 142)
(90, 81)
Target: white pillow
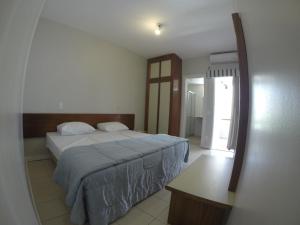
(112, 126)
(73, 128)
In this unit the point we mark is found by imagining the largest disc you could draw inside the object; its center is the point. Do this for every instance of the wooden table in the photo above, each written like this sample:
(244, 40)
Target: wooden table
(200, 195)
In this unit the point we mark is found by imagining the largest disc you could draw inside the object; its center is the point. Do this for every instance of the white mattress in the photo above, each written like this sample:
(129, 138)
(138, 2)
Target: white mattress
(57, 143)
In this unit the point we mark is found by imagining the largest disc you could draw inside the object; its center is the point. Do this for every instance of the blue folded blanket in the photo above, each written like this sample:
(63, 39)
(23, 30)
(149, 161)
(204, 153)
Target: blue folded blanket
(77, 163)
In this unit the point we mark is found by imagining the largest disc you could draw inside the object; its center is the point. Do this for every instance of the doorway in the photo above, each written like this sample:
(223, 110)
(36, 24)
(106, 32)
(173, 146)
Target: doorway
(207, 112)
(194, 94)
(222, 112)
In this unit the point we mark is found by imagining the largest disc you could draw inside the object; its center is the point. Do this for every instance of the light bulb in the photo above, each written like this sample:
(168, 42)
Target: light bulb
(157, 31)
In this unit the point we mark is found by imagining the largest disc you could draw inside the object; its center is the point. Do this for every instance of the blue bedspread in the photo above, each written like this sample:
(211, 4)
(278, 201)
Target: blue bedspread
(103, 181)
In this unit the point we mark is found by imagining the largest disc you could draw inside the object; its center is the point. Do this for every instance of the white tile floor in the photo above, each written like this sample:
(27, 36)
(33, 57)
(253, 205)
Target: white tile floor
(49, 197)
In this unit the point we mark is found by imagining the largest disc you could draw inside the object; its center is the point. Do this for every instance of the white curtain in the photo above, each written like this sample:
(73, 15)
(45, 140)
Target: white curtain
(223, 70)
(234, 125)
(208, 113)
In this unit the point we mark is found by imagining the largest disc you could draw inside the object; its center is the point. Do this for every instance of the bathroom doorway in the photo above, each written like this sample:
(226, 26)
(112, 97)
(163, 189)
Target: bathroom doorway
(194, 94)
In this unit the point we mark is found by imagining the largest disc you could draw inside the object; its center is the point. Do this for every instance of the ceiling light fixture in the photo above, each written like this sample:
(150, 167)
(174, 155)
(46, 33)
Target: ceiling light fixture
(157, 30)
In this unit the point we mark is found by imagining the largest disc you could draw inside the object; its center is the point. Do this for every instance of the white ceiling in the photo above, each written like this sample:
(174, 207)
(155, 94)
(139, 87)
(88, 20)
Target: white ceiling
(191, 28)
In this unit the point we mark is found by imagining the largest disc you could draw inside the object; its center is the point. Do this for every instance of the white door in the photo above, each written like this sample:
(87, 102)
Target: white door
(208, 113)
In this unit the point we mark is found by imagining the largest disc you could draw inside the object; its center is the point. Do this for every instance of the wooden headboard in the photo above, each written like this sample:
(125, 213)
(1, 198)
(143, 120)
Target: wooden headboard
(38, 124)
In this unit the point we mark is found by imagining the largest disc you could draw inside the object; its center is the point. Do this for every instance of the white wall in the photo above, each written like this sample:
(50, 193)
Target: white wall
(18, 19)
(268, 191)
(195, 66)
(85, 73)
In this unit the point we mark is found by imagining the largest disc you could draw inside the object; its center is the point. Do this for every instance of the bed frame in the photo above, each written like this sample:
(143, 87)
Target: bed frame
(38, 124)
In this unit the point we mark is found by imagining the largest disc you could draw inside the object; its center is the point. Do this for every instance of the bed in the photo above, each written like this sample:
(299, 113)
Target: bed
(104, 174)
(58, 144)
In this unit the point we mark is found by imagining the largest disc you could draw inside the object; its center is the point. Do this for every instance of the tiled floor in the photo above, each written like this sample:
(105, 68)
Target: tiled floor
(49, 197)
(194, 140)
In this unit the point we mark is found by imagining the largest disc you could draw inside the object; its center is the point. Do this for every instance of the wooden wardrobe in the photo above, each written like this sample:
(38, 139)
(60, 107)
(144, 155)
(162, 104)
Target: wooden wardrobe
(163, 95)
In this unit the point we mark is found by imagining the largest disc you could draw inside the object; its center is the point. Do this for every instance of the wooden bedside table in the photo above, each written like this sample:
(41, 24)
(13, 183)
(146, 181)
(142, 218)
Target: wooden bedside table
(200, 195)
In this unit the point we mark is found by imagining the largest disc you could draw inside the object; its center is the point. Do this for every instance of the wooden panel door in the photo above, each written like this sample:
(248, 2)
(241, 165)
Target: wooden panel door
(153, 108)
(164, 107)
(165, 68)
(154, 70)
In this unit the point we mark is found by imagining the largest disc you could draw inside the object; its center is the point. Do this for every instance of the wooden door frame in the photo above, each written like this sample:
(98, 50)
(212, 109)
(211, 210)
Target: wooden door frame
(244, 103)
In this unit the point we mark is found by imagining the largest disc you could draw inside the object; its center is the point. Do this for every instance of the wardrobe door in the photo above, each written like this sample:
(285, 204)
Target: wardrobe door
(154, 70)
(164, 107)
(165, 68)
(153, 107)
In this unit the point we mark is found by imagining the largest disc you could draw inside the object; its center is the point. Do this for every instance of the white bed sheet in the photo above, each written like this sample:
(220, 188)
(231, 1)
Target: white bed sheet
(57, 143)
